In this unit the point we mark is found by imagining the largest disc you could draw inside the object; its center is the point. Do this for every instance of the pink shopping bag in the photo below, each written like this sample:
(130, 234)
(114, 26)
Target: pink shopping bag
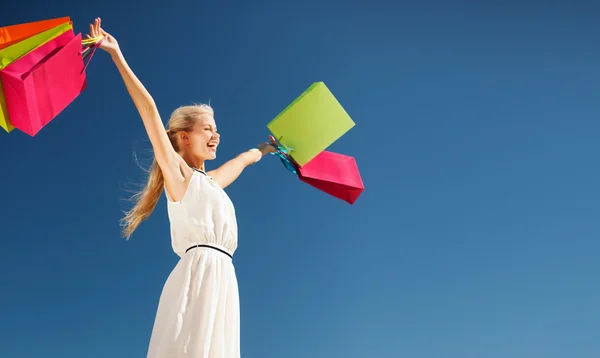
(335, 174)
(44, 82)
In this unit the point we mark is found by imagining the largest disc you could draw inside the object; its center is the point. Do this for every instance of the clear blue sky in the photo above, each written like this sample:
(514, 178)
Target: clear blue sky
(476, 135)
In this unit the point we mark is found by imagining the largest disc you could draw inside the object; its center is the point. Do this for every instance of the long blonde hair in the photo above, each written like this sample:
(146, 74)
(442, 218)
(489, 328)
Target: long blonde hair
(182, 119)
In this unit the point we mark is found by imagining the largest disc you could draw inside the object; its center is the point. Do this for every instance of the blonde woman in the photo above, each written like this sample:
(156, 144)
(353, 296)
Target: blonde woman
(198, 312)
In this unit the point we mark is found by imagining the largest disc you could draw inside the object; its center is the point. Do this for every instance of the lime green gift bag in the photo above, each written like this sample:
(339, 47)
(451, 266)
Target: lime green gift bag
(311, 123)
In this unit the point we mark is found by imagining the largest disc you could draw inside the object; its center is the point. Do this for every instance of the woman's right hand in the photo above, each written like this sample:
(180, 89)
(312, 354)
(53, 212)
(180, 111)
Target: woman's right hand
(266, 148)
(109, 43)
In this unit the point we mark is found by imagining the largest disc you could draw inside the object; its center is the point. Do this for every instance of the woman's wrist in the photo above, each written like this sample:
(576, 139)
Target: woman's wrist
(257, 154)
(116, 55)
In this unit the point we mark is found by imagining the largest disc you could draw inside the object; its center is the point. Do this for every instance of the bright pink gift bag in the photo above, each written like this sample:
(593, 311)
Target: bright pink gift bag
(44, 82)
(335, 174)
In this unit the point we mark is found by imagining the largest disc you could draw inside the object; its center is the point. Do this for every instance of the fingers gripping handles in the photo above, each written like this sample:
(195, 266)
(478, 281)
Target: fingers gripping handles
(89, 47)
(284, 154)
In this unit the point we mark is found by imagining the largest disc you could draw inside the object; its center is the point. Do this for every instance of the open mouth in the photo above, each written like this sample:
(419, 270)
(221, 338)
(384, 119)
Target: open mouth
(212, 147)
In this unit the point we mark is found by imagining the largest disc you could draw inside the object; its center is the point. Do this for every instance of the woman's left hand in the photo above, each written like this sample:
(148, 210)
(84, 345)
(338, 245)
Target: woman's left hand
(109, 43)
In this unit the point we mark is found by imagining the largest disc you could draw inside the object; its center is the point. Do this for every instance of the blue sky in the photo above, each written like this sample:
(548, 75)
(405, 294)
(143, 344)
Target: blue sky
(476, 136)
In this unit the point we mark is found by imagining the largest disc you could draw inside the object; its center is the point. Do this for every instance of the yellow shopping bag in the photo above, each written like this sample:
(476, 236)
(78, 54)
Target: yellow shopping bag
(18, 50)
(311, 123)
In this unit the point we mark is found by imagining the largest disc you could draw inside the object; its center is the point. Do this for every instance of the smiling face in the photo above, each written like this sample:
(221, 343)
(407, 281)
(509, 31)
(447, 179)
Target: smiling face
(204, 138)
(193, 134)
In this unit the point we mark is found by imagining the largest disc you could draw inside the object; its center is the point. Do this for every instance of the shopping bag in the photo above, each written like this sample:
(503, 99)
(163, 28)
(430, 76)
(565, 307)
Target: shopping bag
(335, 174)
(18, 50)
(44, 82)
(311, 123)
(15, 33)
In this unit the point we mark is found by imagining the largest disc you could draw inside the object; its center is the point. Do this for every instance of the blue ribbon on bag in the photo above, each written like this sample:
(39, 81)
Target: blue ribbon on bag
(283, 153)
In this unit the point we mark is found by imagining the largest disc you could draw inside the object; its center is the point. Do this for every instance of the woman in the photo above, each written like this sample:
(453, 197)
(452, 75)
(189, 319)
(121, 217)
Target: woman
(198, 313)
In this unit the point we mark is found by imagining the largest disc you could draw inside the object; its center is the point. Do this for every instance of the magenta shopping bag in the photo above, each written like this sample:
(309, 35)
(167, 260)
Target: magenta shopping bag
(335, 174)
(41, 84)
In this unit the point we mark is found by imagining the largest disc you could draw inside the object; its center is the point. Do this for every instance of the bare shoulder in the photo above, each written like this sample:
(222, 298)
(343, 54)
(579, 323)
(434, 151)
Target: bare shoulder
(177, 179)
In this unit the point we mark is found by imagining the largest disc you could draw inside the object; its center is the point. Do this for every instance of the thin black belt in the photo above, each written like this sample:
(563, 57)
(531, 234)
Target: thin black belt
(212, 247)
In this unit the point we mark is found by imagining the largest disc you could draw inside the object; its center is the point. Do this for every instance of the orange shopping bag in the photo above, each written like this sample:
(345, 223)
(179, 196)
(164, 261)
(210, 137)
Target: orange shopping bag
(15, 33)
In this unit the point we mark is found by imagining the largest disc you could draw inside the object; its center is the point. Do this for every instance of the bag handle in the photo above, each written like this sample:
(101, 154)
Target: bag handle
(91, 45)
(93, 40)
(283, 153)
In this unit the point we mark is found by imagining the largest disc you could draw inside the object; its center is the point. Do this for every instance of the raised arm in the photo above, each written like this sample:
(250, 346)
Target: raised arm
(166, 157)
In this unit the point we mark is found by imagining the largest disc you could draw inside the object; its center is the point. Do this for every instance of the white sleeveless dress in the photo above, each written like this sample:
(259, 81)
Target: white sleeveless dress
(198, 313)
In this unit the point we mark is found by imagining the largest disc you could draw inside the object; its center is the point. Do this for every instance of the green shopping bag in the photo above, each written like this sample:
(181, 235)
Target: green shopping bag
(18, 50)
(311, 123)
